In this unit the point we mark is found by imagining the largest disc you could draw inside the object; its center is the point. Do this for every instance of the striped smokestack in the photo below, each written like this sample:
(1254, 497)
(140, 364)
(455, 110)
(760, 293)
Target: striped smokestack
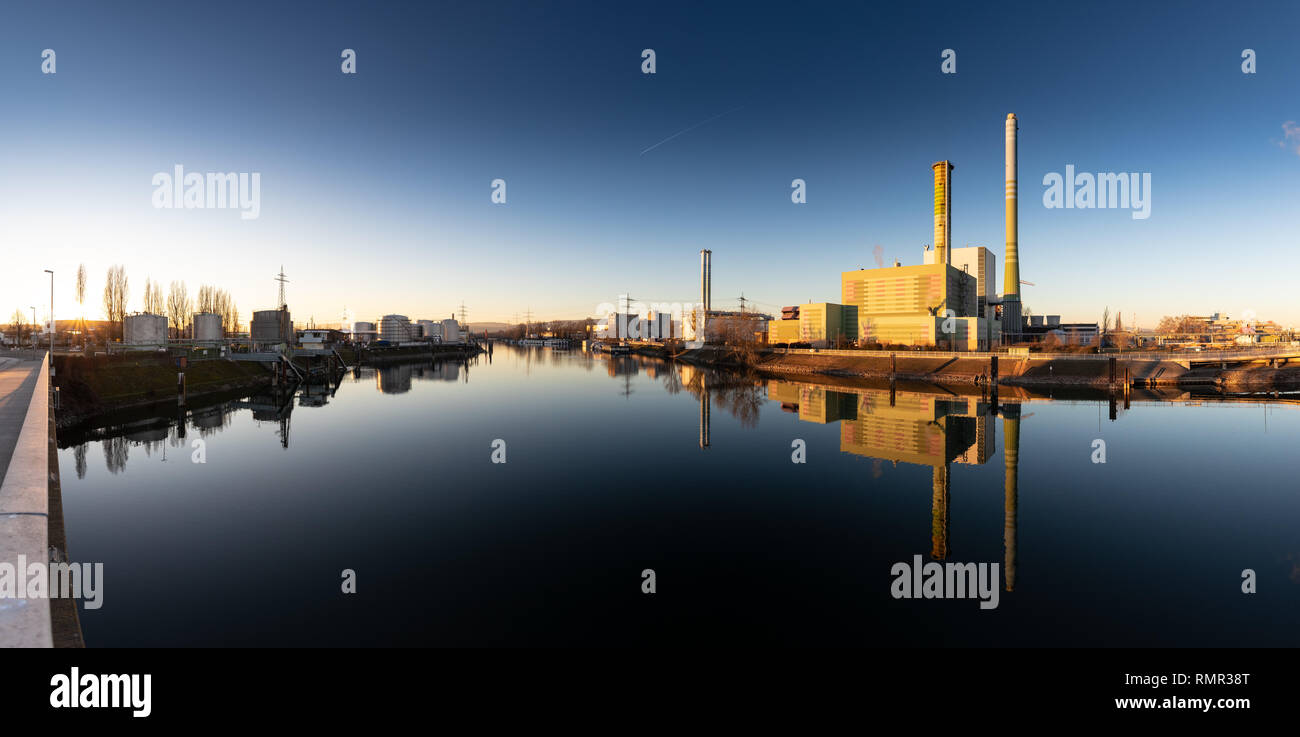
(1011, 281)
(942, 212)
(1011, 286)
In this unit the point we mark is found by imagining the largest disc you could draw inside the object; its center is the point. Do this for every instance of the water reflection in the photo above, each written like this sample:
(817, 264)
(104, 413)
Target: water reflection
(934, 428)
(359, 479)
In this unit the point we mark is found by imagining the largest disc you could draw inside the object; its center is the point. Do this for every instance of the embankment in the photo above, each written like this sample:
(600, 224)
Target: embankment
(93, 386)
(1012, 371)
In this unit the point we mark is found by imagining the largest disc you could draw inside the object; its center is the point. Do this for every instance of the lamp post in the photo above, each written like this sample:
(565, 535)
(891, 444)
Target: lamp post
(33, 334)
(53, 331)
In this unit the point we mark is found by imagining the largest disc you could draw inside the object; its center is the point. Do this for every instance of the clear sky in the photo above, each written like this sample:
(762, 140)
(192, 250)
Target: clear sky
(376, 187)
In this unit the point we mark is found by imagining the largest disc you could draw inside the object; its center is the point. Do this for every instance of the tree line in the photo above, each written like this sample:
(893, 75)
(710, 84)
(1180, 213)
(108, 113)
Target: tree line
(176, 305)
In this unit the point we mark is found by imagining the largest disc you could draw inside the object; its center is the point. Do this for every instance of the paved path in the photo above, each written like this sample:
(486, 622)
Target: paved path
(25, 442)
(17, 379)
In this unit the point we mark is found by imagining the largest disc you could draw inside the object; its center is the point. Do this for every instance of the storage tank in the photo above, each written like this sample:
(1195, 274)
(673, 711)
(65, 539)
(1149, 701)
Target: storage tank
(395, 328)
(207, 327)
(450, 331)
(430, 329)
(364, 332)
(144, 330)
(271, 326)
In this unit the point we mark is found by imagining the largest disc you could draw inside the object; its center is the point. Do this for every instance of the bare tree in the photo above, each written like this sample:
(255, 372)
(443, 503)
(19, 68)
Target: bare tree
(81, 300)
(178, 305)
(153, 298)
(229, 314)
(116, 289)
(737, 335)
(19, 325)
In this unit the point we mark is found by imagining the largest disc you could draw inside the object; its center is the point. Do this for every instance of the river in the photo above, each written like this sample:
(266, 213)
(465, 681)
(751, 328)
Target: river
(615, 466)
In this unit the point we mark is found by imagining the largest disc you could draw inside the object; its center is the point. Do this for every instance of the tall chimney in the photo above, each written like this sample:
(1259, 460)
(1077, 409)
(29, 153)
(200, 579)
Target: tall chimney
(706, 278)
(942, 212)
(1011, 283)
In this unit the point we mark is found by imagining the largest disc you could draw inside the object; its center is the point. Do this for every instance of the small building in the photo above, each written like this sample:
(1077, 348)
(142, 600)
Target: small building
(318, 338)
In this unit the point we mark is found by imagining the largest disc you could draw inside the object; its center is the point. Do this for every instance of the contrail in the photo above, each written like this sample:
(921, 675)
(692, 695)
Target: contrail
(687, 130)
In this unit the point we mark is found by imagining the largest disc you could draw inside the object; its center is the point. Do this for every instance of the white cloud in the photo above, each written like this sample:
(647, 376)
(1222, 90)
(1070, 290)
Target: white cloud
(1290, 136)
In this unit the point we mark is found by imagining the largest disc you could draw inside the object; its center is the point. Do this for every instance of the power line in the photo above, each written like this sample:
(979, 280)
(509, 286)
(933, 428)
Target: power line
(281, 278)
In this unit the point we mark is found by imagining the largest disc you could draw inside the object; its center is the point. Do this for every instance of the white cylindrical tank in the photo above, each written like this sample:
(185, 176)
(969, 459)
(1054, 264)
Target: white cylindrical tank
(144, 330)
(207, 327)
(450, 331)
(395, 328)
(430, 329)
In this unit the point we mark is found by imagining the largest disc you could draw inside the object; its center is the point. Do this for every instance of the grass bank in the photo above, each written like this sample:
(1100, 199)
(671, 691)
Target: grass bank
(92, 386)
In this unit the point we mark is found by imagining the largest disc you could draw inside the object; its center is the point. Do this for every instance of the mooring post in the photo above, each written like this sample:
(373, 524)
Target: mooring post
(180, 387)
(1112, 371)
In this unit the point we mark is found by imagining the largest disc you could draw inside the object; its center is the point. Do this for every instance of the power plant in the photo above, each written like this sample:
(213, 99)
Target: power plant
(950, 300)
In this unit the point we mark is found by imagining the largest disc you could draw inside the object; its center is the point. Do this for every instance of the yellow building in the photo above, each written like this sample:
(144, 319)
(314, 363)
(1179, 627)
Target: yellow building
(814, 322)
(928, 305)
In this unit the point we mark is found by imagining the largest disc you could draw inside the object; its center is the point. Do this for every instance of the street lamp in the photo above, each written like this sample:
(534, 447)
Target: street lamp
(53, 331)
(33, 334)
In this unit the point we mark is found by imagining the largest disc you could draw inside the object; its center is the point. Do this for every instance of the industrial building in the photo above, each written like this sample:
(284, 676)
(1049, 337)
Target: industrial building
(814, 323)
(271, 327)
(144, 330)
(948, 301)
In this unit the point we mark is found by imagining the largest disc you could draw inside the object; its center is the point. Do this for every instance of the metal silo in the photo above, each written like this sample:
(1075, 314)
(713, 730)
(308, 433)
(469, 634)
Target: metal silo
(207, 328)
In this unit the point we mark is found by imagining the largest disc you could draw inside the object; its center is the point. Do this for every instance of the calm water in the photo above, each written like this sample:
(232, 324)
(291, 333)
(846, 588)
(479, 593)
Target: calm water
(391, 476)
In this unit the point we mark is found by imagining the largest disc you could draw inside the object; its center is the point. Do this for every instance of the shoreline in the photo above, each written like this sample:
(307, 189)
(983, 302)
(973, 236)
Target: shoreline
(1013, 371)
(146, 388)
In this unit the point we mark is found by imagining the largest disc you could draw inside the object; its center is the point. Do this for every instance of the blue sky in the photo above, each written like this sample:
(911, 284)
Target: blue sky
(376, 187)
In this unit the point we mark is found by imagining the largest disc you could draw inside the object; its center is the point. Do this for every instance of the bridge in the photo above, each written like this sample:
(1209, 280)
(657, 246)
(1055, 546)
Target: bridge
(26, 450)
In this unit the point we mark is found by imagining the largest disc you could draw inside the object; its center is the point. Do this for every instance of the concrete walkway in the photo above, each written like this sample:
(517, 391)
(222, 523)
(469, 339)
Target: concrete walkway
(17, 379)
(24, 494)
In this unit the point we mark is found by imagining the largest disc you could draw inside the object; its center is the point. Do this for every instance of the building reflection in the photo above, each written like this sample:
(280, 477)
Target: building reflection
(934, 428)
